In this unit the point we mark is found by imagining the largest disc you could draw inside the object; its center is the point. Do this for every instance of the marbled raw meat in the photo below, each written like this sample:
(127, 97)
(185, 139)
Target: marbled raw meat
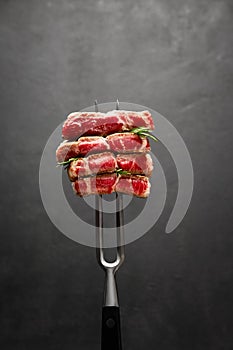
(108, 183)
(136, 163)
(119, 143)
(93, 164)
(102, 124)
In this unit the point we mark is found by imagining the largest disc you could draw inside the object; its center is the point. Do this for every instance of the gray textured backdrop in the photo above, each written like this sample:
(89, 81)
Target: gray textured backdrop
(173, 56)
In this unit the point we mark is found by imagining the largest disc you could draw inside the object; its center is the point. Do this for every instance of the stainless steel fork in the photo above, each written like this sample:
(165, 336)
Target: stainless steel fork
(111, 330)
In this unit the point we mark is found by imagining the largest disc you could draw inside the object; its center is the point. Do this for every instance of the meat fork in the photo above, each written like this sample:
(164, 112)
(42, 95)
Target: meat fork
(111, 330)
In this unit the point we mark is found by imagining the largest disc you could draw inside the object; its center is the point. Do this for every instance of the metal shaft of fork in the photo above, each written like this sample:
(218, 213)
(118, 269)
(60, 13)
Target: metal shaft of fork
(110, 268)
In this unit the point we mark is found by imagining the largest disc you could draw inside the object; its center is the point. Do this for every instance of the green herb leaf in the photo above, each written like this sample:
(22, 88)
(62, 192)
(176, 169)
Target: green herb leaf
(149, 135)
(142, 131)
(67, 161)
(122, 172)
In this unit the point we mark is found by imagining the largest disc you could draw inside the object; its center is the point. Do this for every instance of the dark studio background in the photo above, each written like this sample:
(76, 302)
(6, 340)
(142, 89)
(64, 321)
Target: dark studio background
(174, 57)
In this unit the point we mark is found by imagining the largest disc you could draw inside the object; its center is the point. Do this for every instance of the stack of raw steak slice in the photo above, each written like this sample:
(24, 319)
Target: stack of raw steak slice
(104, 155)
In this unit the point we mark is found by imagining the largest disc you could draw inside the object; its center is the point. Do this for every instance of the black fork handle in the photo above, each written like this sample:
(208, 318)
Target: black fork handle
(111, 329)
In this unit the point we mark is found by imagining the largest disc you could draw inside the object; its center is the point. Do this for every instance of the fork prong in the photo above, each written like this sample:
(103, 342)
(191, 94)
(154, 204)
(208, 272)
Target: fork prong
(96, 106)
(99, 219)
(99, 228)
(120, 219)
(119, 226)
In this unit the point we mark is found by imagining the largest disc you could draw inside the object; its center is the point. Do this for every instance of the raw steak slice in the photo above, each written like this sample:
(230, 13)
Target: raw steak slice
(67, 150)
(92, 144)
(102, 124)
(133, 185)
(137, 163)
(118, 142)
(127, 143)
(94, 164)
(80, 148)
(100, 184)
(108, 183)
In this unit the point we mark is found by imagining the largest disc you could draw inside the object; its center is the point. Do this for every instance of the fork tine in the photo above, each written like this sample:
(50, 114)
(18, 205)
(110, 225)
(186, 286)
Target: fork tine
(99, 228)
(117, 104)
(120, 218)
(96, 106)
(99, 218)
(110, 302)
(119, 226)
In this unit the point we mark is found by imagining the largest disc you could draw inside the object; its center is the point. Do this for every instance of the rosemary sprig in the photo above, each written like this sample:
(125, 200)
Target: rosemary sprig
(67, 161)
(122, 172)
(142, 131)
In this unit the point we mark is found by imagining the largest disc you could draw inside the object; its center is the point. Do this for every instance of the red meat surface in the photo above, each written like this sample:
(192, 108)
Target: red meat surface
(93, 164)
(102, 124)
(100, 184)
(80, 148)
(133, 185)
(127, 143)
(137, 163)
(108, 183)
(119, 142)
